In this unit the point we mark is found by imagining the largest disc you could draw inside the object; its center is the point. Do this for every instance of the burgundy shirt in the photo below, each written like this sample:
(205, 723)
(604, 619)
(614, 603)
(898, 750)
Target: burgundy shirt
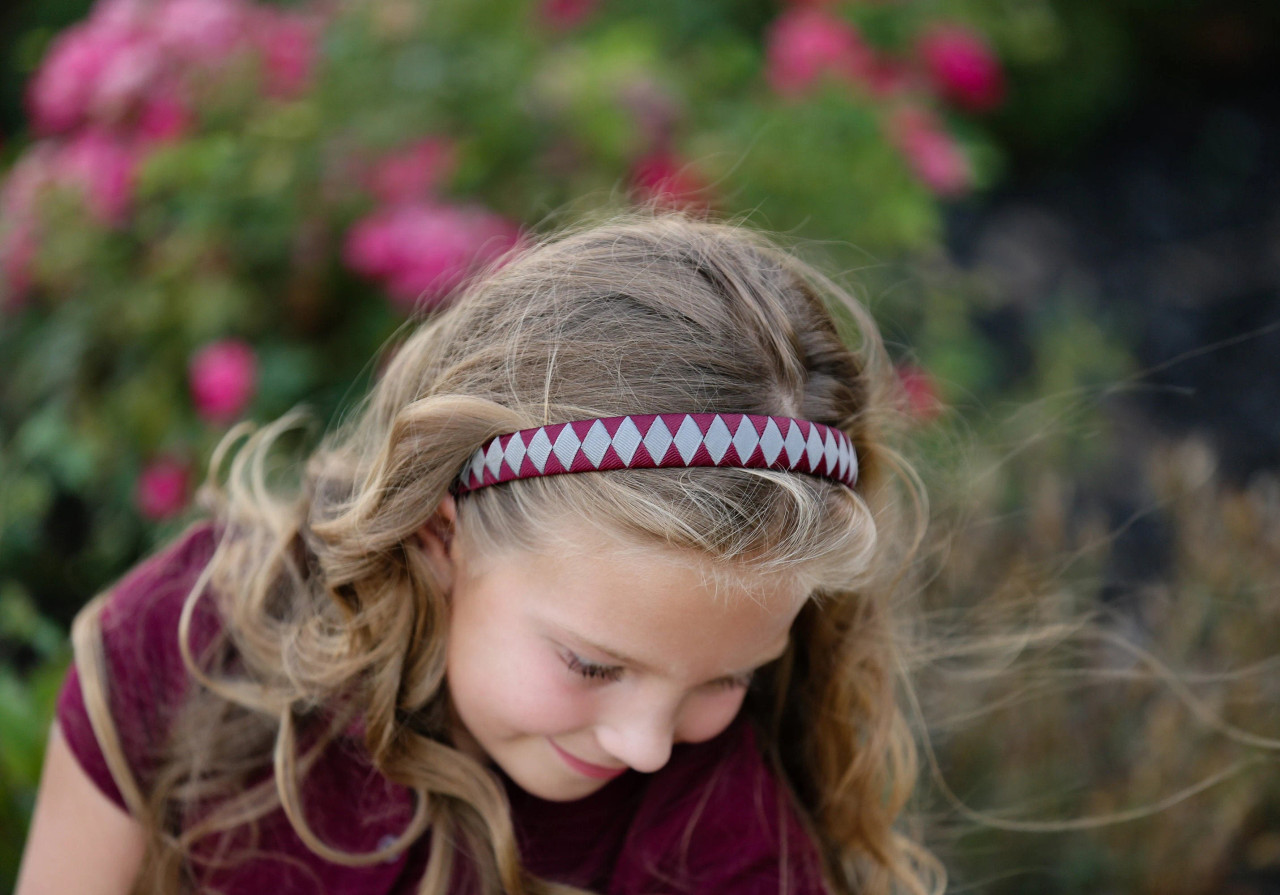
(709, 822)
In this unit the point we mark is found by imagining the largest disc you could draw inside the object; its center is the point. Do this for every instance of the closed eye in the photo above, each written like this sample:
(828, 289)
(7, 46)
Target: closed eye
(735, 682)
(591, 671)
(598, 673)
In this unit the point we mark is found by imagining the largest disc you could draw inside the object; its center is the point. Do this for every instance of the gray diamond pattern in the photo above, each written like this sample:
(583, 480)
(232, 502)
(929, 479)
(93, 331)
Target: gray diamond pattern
(657, 440)
(539, 449)
(825, 451)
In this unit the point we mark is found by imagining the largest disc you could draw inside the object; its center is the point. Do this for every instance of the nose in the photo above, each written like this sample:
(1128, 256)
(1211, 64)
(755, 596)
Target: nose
(642, 741)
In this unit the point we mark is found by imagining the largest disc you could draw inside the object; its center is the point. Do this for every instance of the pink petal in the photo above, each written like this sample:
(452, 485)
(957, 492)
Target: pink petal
(806, 44)
(933, 154)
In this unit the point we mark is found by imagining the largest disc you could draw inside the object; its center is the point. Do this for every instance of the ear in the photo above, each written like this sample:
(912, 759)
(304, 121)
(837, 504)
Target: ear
(436, 537)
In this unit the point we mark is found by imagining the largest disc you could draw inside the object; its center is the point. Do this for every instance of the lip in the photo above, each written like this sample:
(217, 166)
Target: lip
(586, 768)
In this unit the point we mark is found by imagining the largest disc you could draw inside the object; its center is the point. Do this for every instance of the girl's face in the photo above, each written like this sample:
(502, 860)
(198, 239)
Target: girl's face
(566, 670)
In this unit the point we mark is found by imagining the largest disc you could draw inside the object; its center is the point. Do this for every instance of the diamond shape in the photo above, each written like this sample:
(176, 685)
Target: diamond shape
(814, 448)
(539, 449)
(844, 455)
(477, 465)
(770, 442)
(657, 440)
(493, 457)
(514, 454)
(688, 439)
(566, 446)
(794, 442)
(717, 439)
(595, 443)
(830, 451)
(626, 440)
(745, 439)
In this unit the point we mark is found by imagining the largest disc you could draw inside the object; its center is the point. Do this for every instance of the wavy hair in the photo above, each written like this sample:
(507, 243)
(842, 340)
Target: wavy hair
(329, 605)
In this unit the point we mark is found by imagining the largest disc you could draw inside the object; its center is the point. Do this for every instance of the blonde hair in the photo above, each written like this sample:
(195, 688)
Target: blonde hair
(329, 605)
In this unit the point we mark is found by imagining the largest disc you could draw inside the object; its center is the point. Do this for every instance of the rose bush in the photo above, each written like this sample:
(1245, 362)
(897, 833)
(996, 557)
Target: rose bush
(303, 177)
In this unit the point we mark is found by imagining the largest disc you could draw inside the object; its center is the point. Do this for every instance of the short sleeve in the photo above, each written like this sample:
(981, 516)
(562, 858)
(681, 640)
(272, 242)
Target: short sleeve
(145, 676)
(716, 822)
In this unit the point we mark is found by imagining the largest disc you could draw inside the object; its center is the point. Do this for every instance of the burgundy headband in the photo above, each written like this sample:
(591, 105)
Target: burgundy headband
(664, 440)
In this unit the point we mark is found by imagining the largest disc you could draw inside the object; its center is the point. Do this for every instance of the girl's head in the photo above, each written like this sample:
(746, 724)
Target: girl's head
(653, 315)
(570, 626)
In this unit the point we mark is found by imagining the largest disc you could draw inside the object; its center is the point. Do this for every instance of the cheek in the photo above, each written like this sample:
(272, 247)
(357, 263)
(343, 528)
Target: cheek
(706, 716)
(514, 685)
(545, 702)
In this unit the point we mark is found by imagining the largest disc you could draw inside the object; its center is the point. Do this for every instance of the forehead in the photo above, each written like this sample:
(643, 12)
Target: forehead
(673, 611)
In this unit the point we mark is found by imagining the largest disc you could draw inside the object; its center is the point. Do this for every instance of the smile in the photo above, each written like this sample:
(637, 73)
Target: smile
(586, 768)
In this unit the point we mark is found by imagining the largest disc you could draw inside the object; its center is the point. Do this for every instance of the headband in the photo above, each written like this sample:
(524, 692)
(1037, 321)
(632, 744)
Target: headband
(663, 441)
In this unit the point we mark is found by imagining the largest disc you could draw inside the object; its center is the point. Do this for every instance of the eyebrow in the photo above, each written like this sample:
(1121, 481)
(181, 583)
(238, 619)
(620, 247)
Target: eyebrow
(623, 659)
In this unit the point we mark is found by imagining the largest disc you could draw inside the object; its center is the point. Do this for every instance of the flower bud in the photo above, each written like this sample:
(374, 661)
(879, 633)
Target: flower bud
(222, 377)
(963, 68)
(162, 488)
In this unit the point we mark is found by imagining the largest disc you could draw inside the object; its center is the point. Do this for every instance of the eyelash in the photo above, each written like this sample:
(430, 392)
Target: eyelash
(590, 671)
(612, 673)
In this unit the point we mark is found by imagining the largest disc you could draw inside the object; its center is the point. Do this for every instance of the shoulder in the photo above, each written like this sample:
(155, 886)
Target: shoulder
(140, 615)
(142, 678)
(716, 820)
(169, 572)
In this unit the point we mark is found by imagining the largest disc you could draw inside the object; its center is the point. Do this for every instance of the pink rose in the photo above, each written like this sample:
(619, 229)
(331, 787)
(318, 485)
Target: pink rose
(412, 173)
(287, 42)
(121, 66)
(122, 14)
(806, 44)
(126, 77)
(222, 378)
(62, 91)
(96, 164)
(963, 67)
(931, 151)
(162, 487)
(162, 117)
(370, 248)
(665, 178)
(919, 392)
(103, 168)
(201, 31)
(422, 252)
(562, 15)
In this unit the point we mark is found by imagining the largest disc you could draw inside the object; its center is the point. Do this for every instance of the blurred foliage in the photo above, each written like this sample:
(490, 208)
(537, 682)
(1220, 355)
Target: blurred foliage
(285, 186)
(242, 216)
(1134, 750)
(26, 705)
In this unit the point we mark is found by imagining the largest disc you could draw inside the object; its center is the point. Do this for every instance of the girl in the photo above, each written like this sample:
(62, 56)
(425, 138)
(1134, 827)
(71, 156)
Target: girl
(485, 651)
